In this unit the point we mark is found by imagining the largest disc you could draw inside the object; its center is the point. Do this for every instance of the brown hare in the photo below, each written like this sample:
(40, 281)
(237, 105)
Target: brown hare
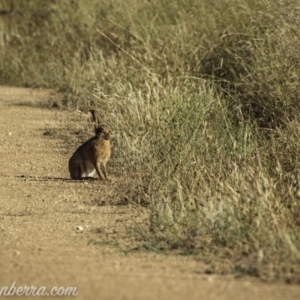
(92, 156)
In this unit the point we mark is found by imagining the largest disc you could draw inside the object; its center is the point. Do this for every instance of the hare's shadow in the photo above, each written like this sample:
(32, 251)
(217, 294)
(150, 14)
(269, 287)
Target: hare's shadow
(49, 178)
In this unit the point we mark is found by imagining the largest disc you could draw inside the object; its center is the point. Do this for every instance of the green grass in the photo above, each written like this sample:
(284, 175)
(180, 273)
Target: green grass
(204, 99)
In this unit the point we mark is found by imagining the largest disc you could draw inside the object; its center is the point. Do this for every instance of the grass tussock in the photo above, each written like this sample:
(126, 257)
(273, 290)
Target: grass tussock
(204, 98)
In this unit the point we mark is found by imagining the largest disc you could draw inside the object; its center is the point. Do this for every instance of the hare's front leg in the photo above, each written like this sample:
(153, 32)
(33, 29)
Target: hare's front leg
(103, 167)
(99, 172)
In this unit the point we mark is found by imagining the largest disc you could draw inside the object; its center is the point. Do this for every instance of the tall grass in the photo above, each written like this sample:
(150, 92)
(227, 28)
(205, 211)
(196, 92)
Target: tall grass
(204, 96)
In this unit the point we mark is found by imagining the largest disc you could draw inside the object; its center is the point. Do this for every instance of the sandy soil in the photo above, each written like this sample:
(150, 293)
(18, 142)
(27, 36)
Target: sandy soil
(40, 209)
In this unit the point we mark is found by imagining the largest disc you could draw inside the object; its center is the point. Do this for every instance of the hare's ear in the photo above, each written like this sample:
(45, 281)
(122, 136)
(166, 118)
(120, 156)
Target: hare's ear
(94, 116)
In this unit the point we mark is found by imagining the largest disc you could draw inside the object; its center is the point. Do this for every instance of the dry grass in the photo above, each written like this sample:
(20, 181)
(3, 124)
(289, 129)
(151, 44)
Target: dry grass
(204, 98)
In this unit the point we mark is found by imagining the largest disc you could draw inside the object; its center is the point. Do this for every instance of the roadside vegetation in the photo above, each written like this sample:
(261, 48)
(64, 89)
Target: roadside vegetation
(205, 99)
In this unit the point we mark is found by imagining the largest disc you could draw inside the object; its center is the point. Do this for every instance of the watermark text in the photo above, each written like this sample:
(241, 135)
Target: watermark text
(32, 290)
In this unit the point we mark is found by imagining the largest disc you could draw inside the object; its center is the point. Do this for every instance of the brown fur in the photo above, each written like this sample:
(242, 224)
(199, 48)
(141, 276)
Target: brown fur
(92, 156)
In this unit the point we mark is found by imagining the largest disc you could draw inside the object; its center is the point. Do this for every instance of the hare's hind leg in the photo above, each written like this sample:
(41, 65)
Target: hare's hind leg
(75, 172)
(74, 168)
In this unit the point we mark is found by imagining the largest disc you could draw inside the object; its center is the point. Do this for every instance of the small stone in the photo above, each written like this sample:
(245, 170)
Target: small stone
(79, 228)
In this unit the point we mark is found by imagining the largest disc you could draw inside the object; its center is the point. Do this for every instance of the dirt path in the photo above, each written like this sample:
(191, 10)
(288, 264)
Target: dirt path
(40, 209)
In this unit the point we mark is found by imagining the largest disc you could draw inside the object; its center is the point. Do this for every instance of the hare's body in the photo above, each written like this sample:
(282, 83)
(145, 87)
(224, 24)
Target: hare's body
(91, 157)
